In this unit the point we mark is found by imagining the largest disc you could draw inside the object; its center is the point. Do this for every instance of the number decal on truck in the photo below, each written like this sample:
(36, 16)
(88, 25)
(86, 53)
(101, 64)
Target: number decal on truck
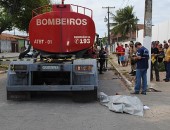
(42, 41)
(82, 39)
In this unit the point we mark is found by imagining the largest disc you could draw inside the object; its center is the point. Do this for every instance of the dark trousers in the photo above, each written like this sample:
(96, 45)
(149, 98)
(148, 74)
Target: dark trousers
(165, 64)
(101, 65)
(155, 67)
(168, 70)
(118, 59)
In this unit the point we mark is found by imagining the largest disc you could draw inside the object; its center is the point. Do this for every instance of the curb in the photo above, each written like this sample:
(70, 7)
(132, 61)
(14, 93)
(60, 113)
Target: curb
(125, 80)
(2, 72)
(129, 84)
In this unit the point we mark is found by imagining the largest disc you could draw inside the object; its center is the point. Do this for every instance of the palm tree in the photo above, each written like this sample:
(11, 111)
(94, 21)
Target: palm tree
(125, 21)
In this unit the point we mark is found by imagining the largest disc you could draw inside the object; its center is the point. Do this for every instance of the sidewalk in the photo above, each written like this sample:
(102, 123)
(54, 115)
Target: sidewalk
(130, 80)
(8, 55)
(157, 101)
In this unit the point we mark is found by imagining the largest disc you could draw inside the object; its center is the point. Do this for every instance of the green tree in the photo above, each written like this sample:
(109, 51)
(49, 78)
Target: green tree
(21, 11)
(125, 21)
(5, 21)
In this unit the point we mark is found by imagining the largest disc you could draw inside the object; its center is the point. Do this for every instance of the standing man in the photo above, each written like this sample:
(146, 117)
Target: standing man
(132, 55)
(142, 57)
(154, 61)
(167, 60)
(118, 55)
(165, 49)
(102, 56)
(121, 52)
(122, 55)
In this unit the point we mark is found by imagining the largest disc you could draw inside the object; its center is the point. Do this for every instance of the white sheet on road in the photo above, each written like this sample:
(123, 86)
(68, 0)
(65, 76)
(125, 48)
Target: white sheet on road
(122, 103)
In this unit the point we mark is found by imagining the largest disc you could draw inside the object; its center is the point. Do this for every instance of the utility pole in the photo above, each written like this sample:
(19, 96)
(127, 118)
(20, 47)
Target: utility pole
(108, 22)
(148, 32)
(148, 19)
(62, 2)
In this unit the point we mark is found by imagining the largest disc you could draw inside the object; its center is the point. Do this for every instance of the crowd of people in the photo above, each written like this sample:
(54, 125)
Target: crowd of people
(159, 54)
(137, 56)
(126, 54)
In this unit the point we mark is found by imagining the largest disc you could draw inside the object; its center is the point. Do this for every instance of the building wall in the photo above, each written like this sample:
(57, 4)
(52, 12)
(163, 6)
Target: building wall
(21, 45)
(140, 36)
(5, 45)
(160, 32)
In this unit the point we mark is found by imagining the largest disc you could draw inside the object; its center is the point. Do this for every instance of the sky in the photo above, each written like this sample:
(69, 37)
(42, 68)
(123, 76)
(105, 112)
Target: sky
(160, 11)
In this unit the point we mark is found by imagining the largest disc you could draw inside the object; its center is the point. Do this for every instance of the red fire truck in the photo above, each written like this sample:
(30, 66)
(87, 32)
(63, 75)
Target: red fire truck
(62, 37)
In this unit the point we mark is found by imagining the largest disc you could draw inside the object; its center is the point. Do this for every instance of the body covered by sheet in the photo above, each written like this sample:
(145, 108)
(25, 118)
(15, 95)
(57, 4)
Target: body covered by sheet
(122, 104)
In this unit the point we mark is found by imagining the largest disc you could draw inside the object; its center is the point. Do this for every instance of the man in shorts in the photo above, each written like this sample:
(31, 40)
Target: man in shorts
(122, 55)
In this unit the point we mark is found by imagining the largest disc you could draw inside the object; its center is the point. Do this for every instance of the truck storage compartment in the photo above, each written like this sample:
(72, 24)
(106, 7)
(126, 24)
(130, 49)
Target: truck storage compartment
(51, 78)
(83, 79)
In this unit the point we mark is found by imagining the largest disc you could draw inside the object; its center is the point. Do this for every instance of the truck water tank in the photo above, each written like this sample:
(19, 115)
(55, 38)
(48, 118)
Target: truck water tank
(61, 30)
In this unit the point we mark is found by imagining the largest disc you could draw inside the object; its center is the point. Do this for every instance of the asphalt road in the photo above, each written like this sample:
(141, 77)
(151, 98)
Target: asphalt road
(61, 113)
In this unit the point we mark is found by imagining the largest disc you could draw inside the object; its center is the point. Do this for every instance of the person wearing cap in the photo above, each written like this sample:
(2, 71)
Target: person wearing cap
(141, 58)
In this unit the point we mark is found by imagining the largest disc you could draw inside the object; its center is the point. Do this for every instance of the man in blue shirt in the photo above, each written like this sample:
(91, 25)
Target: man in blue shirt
(142, 57)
